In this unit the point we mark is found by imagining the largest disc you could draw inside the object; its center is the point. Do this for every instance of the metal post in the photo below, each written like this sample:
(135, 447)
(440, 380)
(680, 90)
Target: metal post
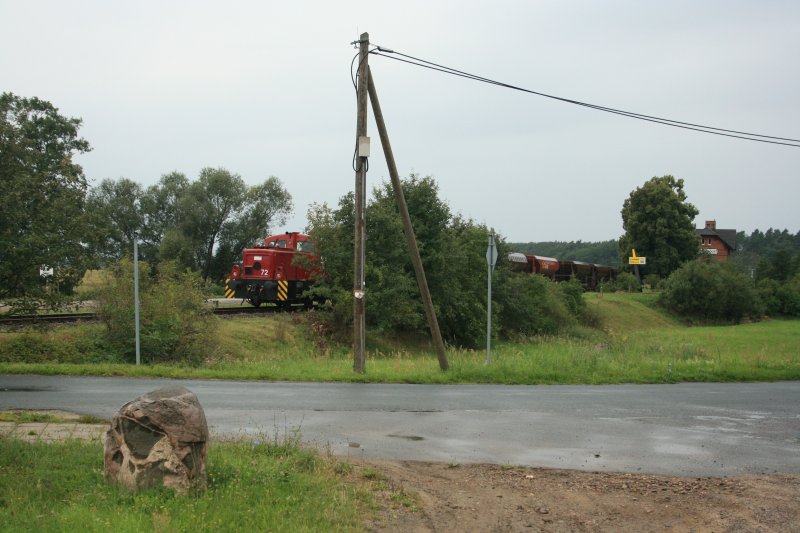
(491, 258)
(136, 295)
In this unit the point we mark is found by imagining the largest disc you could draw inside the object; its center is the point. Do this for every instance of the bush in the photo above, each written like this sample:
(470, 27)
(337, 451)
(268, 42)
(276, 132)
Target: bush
(625, 281)
(572, 293)
(75, 344)
(710, 291)
(175, 324)
(532, 305)
(780, 298)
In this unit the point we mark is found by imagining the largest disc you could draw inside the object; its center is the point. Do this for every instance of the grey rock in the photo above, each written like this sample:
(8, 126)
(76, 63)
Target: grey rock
(160, 438)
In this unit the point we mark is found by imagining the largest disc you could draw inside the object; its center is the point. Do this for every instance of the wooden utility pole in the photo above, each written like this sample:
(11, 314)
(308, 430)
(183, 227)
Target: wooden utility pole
(359, 329)
(408, 230)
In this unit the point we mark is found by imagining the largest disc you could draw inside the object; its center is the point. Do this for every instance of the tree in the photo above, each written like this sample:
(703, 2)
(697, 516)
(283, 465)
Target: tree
(659, 224)
(116, 217)
(710, 291)
(215, 218)
(160, 204)
(453, 252)
(42, 205)
(264, 205)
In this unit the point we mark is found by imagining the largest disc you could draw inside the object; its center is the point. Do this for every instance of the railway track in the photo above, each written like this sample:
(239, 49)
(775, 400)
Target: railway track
(66, 318)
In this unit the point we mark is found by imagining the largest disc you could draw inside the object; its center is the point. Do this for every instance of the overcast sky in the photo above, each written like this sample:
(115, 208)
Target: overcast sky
(263, 89)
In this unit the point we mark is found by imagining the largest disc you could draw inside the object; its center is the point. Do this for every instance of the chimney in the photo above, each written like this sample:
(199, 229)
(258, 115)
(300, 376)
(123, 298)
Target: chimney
(711, 224)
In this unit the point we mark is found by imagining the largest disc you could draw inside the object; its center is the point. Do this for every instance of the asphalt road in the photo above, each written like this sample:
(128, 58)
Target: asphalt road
(695, 429)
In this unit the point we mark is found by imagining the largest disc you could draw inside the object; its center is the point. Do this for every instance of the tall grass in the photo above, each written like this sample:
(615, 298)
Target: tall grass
(640, 344)
(271, 486)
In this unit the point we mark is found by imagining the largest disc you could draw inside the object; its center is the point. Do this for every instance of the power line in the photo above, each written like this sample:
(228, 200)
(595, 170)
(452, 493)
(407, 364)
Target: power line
(391, 54)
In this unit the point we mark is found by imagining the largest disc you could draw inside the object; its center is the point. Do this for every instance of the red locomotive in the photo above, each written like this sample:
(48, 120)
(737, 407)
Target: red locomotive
(270, 273)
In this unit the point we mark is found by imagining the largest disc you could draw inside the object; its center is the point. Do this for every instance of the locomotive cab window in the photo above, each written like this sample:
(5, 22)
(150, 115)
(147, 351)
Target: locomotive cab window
(305, 246)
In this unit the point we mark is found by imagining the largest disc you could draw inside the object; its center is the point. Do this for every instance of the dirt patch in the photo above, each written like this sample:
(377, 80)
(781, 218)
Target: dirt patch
(422, 496)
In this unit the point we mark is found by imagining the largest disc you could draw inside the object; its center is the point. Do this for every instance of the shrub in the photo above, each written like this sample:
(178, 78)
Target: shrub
(780, 298)
(67, 344)
(652, 280)
(710, 291)
(625, 281)
(572, 293)
(175, 325)
(532, 305)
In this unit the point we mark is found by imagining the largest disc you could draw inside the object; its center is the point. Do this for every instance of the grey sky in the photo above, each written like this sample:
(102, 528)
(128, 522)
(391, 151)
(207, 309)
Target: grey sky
(263, 88)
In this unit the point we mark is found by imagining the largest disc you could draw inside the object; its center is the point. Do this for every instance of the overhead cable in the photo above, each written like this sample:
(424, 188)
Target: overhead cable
(404, 58)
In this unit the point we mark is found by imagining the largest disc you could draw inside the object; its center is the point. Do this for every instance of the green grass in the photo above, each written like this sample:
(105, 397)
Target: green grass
(24, 417)
(626, 312)
(640, 344)
(273, 486)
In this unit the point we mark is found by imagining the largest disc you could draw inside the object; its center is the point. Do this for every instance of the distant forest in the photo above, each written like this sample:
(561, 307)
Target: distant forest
(602, 253)
(771, 254)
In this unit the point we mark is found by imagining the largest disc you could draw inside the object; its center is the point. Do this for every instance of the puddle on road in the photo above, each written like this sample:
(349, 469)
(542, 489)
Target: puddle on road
(407, 437)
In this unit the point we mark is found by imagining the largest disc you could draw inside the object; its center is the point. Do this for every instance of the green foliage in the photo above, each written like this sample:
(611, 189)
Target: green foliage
(711, 291)
(453, 252)
(41, 206)
(203, 225)
(658, 223)
(772, 254)
(572, 291)
(534, 305)
(459, 290)
(780, 298)
(78, 344)
(625, 281)
(175, 324)
(113, 212)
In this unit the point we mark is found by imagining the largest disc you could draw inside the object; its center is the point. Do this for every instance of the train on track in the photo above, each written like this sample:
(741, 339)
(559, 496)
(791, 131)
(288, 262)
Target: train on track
(590, 275)
(270, 273)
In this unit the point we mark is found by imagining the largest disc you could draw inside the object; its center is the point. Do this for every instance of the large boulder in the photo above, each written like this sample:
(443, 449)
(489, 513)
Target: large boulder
(160, 438)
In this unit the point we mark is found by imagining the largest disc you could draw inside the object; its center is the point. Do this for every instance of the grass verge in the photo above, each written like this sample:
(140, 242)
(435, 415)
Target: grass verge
(269, 486)
(641, 344)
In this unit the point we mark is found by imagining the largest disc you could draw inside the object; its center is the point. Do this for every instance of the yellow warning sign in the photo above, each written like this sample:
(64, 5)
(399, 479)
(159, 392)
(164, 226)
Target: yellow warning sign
(635, 260)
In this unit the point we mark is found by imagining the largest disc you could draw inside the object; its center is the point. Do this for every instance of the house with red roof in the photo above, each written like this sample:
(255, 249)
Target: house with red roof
(719, 243)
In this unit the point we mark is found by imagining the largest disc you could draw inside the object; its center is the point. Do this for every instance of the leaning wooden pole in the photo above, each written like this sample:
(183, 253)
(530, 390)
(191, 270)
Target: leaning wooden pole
(408, 230)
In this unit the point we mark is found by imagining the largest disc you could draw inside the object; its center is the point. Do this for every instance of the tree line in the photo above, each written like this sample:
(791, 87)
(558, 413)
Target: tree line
(51, 217)
(203, 225)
